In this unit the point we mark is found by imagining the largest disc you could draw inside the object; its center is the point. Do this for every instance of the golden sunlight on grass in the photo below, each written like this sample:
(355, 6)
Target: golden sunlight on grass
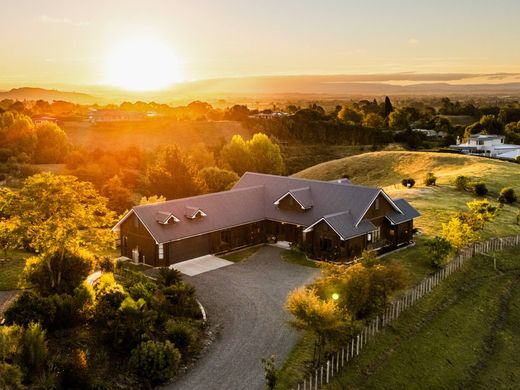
(142, 64)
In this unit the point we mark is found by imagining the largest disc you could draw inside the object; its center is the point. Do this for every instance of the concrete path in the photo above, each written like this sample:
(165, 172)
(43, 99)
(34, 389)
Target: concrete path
(200, 265)
(244, 304)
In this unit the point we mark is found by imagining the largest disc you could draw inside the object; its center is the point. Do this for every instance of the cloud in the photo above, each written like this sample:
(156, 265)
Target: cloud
(46, 19)
(413, 41)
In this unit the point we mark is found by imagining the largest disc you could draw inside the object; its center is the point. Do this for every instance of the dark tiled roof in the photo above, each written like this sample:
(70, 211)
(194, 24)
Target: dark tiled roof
(408, 212)
(302, 195)
(252, 199)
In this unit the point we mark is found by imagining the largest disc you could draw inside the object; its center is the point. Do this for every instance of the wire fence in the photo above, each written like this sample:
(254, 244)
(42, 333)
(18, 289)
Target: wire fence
(323, 374)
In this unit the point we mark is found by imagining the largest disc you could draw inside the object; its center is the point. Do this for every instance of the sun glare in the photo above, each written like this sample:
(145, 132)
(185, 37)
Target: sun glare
(142, 65)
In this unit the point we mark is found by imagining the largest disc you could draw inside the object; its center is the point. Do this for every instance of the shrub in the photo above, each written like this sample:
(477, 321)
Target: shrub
(169, 276)
(462, 183)
(409, 183)
(33, 349)
(507, 195)
(10, 377)
(74, 372)
(480, 189)
(430, 179)
(180, 301)
(439, 250)
(30, 307)
(9, 342)
(181, 334)
(106, 264)
(155, 361)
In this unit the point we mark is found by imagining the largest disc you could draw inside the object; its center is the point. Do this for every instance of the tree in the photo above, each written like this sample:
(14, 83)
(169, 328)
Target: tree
(218, 179)
(52, 144)
(59, 213)
(374, 121)
(201, 156)
(266, 156)
(458, 233)
(152, 199)
(483, 209)
(388, 107)
(313, 314)
(33, 351)
(119, 196)
(399, 119)
(173, 175)
(462, 183)
(348, 115)
(235, 156)
(8, 234)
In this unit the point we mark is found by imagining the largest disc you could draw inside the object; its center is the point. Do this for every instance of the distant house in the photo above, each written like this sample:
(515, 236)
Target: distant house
(430, 133)
(100, 116)
(269, 115)
(42, 118)
(332, 220)
(488, 145)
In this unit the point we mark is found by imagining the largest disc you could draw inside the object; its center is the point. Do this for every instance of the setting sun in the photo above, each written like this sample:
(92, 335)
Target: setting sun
(143, 65)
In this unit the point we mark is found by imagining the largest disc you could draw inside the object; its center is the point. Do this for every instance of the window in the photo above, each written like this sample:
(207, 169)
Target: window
(377, 203)
(369, 237)
(161, 251)
(325, 244)
(125, 241)
(377, 234)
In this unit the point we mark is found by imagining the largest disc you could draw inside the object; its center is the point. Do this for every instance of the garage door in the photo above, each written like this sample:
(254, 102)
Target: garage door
(189, 248)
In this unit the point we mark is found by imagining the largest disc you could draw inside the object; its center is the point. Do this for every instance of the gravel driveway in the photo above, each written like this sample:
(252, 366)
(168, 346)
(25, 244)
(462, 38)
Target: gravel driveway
(244, 302)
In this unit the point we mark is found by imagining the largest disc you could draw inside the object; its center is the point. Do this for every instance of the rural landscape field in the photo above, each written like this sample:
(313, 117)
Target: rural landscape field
(248, 196)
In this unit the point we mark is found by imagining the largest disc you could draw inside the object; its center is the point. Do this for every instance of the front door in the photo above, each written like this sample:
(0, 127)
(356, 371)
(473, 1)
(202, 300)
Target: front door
(135, 255)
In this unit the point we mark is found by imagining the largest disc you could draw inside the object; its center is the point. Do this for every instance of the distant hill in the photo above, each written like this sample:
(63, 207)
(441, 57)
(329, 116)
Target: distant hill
(29, 93)
(389, 168)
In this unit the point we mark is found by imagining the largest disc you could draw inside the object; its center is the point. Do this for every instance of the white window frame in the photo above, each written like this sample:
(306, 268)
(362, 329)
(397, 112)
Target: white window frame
(161, 251)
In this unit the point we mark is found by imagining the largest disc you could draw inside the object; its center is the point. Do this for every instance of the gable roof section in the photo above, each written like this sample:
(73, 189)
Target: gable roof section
(408, 212)
(223, 210)
(302, 196)
(343, 224)
(164, 217)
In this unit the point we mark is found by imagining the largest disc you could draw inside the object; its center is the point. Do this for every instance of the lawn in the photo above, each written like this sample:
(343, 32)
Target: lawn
(297, 257)
(11, 270)
(462, 335)
(241, 254)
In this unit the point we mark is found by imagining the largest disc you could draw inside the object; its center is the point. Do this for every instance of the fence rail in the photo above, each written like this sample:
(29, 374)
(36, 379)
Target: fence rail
(323, 374)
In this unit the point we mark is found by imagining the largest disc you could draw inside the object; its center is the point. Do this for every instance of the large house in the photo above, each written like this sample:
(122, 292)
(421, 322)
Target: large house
(331, 220)
(489, 145)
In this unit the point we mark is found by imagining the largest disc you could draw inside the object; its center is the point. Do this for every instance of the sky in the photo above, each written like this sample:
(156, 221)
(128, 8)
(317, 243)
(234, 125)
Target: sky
(68, 42)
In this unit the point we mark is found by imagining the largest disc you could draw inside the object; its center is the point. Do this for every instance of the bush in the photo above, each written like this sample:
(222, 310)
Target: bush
(462, 183)
(74, 372)
(33, 350)
(106, 264)
(155, 361)
(409, 183)
(181, 334)
(439, 250)
(169, 276)
(430, 179)
(10, 377)
(30, 307)
(480, 189)
(180, 301)
(507, 195)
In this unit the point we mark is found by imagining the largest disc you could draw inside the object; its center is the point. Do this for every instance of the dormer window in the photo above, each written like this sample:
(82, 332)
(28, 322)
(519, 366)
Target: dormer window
(166, 218)
(299, 198)
(193, 212)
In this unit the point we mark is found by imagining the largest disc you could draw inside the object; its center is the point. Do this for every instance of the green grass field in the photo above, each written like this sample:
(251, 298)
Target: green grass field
(464, 334)
(11, 270)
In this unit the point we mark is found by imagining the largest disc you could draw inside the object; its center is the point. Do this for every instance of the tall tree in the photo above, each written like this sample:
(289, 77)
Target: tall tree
(388, 107)
(235, 156)
(52, 144)
(172, 174)
(266, 156)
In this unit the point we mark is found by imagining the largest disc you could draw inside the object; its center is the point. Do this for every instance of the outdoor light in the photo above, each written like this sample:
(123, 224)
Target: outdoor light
(335, 296)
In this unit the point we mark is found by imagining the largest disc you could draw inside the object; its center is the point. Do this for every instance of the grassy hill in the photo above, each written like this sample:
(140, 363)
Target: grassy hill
(436, 204)
(463, 335)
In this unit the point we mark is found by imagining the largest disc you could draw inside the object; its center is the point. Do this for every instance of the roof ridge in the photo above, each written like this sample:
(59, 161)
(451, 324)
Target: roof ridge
(311, 180)
(199, 196)
(336, 214)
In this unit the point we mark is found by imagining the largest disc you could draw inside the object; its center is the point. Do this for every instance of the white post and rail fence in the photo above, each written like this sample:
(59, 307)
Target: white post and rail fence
(324, 374)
